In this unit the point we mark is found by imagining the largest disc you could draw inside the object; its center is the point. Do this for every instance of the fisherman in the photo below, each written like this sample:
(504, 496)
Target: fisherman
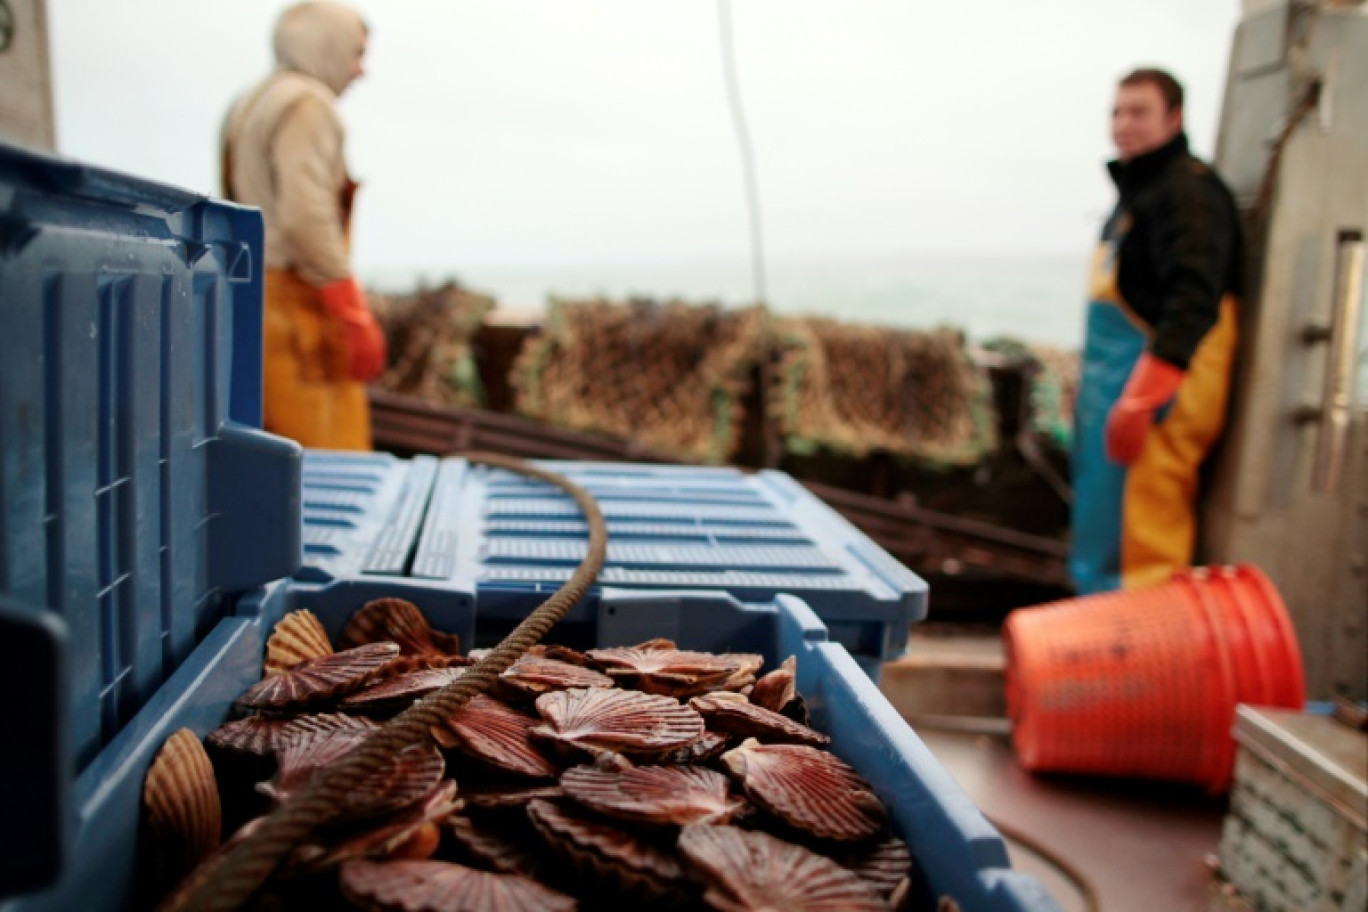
(1161, 335)
(282, 151)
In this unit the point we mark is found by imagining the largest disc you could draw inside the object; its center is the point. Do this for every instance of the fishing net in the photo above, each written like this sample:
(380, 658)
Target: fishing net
(429, 332)
(856, 390)
(668, 375)
(1053, 386)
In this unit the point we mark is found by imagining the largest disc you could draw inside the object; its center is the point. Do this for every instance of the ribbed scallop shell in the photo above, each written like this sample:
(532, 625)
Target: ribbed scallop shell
(605, 851)
(748, 872)
(532, 676)
(440, 886)
(808, 789)
(491, 849)
(496, 734)
(655, 795)
(884, 864)
(399, 621)
(298, 637)
(408, 664)
(747, 720)
(254, 735)
(407, 778)
(616, 720)
(747, 664)
(380, 841)
(669, 672)
(182, 800)
(321, 679)
(777, 689)
(325, 723)
(399, 692)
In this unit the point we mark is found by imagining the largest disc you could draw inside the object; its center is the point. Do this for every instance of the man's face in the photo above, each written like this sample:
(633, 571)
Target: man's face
(1141, 121)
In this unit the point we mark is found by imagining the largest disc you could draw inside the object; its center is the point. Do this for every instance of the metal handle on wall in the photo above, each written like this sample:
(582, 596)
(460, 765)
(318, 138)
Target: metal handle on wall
(1341, 361)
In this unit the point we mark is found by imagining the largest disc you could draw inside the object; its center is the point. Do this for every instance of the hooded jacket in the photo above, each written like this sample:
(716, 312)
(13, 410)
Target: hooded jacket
(282, 142)
(1180, 254)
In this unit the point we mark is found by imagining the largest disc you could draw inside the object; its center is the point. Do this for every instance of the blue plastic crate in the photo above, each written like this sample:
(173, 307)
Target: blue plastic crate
(136, 497)
(512, 540)
(958, 851)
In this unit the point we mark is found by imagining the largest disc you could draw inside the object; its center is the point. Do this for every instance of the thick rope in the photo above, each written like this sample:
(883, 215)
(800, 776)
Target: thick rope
(227, 880)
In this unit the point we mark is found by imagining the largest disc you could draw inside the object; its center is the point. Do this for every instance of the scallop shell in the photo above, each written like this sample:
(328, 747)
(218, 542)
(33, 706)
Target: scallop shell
(391, 836)
(656, 795)
(565, 654)
(606, 852)
(399, 692)
(616, 720)
(440, 886)
(298, 637)
(885, 864)
(747, 720)
(497, 735)
(324, 723)
(182, 801)
(408, 664)
(755, 871)
(747, 664)
(708, 747)
(254, 735)
(532, 676)
(669, 672)
(490, 848)
(407, 778)
(321, 679)
(395, 620)
(777, 689)
(808, 789)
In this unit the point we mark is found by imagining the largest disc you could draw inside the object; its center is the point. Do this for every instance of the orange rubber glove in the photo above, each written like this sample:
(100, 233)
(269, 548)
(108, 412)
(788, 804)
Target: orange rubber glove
(346, 302)
(1152, 384)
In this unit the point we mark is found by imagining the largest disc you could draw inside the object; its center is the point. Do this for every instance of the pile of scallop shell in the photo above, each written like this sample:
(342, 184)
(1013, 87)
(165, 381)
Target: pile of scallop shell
(612, 778)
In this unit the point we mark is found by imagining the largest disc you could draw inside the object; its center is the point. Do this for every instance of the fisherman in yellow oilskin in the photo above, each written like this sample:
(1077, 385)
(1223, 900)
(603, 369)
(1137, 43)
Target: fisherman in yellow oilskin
(1161, 335)
(282, 151)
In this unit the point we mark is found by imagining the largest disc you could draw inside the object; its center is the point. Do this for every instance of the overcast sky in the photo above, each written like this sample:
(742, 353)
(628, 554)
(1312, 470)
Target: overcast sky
(596, 132)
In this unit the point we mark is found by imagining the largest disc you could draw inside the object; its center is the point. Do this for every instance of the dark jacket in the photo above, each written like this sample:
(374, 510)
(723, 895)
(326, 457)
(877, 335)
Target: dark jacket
(1181, 252)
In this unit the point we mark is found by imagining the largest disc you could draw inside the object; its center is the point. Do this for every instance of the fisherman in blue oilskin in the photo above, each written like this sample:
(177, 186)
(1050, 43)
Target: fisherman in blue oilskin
(1161, 337)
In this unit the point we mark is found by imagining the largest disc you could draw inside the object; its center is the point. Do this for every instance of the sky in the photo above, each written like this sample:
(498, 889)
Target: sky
(595, 134)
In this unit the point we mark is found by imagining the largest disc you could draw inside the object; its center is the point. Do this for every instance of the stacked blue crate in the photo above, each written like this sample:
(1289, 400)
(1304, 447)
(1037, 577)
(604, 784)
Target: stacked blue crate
(511, 540)
(136, 496)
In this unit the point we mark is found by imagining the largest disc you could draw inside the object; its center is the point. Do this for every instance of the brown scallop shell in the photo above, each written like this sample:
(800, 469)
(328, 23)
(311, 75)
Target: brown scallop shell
(808, 789)
(298, 637)
(497, 735)
(254, 735)
(777, 689)
(565, 654)
(531, 676)
(747, 664)
(708, 747)
(606, 852)
(399, 621)
(756, 871)
(407, 778)
(669, 672)
(490, 848)
(399, 692)
(654, 795)
(325, 723)
(408, 664)
(885, 864)
(597, 719)
(382, 840)
(440, 886)
(746, 720)
(322, 679)
(181, 795)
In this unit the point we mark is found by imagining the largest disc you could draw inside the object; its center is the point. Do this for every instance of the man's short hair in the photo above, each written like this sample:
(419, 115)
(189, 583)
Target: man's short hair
(1170, 88)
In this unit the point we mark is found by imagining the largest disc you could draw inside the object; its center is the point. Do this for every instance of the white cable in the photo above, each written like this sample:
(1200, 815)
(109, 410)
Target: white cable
(743, 140)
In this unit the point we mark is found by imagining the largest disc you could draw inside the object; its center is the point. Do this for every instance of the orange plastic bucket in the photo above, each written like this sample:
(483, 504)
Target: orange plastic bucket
(1144, 682)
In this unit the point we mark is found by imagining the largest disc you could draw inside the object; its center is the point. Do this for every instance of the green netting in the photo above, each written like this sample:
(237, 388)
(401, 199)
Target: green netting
(1054, 386)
